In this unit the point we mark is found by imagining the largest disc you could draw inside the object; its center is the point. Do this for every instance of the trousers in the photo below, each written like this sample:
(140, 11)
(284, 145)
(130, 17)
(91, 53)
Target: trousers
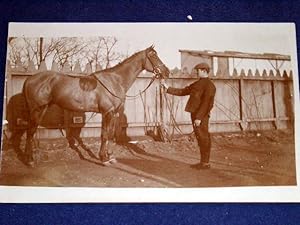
(203, 138)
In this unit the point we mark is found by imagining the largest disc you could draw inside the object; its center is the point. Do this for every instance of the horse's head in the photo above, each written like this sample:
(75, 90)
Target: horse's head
(154, 64)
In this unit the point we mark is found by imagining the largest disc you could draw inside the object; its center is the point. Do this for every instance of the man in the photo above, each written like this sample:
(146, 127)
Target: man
(200, 103)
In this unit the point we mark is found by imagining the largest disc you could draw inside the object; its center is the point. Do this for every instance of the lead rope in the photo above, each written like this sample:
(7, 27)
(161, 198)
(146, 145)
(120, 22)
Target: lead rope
(173, 119)
(132, 97)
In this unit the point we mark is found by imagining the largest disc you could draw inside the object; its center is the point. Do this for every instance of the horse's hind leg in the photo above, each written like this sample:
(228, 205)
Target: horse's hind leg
(16, 138)
(29, 140)
(16, 141)
(73, 134)
(107, 133)
(35, 120)
(70, 137)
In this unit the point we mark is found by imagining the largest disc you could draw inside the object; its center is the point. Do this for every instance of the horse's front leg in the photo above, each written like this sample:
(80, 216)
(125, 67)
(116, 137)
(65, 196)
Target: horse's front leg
(107, 134)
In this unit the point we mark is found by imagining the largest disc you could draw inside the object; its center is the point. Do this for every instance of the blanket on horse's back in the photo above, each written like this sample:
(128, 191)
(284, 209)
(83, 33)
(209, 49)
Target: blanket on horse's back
(17, 115)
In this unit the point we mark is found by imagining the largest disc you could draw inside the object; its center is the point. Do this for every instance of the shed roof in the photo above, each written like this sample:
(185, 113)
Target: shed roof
(235, 54)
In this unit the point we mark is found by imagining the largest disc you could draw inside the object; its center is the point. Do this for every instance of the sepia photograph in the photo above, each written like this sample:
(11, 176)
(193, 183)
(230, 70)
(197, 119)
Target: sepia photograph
(151, 107)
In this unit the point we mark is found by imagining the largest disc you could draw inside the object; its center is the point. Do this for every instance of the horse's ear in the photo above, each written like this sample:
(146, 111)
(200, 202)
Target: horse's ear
(150, 48)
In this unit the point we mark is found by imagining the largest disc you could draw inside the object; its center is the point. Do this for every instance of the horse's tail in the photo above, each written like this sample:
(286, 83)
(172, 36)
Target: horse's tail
(25, 94)
(31, 87)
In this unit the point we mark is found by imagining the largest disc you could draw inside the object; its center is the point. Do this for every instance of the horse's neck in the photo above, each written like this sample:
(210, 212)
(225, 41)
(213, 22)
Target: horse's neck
(128, 71)
(129, 74)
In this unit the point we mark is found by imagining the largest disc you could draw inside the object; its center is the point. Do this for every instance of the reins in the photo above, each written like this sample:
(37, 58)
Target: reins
(126, 96)
(156, 72)
(106, 88)
(150, 83)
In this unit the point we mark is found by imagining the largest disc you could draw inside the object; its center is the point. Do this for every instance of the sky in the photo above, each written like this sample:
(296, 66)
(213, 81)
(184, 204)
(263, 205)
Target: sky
(168, 38)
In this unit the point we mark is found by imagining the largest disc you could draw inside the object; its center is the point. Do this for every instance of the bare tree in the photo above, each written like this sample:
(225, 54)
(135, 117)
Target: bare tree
(15, 52)
(67, 49)
(20, 51)
(101, 50)
(97, 50)
(110, 55)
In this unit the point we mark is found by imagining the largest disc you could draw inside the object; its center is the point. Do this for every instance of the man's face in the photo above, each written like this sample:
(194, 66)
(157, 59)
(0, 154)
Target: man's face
(202, 73)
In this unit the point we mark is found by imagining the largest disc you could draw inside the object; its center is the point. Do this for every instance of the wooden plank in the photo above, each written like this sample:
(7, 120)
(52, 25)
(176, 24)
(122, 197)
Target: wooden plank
(66, 68)
(43, 67)
(223, 69)
(77, 67)
(88, 68)
(274, 104)
(267, 56)
(268, 119)
(31, 67)
(257, 99)
(54, 67)
(243, 123)
(226, 105)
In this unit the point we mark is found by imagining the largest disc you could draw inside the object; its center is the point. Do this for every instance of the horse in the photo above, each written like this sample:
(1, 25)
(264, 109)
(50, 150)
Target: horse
(55, 118)
(100, 92)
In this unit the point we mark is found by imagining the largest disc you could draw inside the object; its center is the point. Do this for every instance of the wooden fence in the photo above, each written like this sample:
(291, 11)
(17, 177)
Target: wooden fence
(245, 100)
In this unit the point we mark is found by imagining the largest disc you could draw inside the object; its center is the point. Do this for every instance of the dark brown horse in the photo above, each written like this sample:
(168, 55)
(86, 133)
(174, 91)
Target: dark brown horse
(103, 92)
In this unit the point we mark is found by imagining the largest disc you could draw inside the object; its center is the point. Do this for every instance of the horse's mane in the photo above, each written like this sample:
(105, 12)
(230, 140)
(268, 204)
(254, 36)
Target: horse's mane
(124, 61)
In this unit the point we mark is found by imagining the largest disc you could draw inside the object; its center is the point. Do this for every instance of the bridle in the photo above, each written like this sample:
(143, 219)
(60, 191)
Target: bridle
(156, 67)
(156, 72)
(156, 75)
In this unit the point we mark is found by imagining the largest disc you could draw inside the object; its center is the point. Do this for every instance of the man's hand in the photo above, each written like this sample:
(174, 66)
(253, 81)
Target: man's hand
(163, 84)
(197, 123)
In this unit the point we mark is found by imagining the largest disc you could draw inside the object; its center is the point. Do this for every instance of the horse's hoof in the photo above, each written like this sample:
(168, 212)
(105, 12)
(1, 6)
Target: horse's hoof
(106, 163)
(109, 162)
(113, 161)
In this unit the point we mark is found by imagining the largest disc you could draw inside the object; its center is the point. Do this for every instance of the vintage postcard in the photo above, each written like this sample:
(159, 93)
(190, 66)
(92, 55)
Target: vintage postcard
(150, 112)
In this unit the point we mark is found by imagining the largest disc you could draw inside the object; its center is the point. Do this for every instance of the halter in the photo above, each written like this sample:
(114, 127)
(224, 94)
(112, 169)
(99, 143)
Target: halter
(156, 72)
(156, 68)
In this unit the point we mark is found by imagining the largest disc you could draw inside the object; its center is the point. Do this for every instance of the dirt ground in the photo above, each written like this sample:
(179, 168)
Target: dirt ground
(265, 158)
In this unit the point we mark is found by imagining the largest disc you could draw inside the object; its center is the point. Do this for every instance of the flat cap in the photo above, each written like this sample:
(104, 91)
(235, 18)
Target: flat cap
(203, 66)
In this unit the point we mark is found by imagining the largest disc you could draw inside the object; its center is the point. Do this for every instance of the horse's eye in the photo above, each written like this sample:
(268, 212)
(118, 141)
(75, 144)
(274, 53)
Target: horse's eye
(153, 53)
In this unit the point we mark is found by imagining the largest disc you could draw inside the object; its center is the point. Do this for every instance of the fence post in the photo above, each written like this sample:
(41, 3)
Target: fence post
(275, 122)
(98, 67)
(257, 74)
(243, 122)
(66, 68)
(288, 98)
(43, 67)
(31, 67)
(77, 68)
(54, 67)
(162, 127)
(88, 69)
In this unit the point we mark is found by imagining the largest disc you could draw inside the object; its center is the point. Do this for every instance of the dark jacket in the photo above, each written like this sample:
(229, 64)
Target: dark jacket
(202, 93)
